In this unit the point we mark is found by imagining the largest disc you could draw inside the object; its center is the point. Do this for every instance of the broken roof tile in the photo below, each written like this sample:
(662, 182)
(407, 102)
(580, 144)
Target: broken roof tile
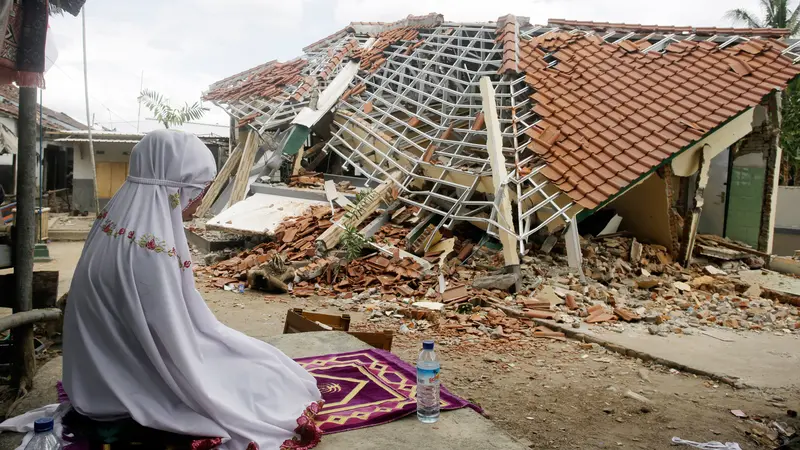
(605, 108)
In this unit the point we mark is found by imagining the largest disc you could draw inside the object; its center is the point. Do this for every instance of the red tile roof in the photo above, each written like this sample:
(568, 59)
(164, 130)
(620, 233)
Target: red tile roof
(268, 82)
(638, 28)
(611, 113)
(373, 58)
(507, 35)
(53, 120)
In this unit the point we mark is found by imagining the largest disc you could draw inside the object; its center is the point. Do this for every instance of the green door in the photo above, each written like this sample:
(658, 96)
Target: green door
(744, 204)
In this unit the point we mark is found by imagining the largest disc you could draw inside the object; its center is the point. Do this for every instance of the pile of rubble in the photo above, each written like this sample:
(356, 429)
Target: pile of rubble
(627, 284)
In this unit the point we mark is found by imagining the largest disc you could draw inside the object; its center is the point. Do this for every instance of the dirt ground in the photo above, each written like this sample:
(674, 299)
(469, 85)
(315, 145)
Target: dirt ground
(558, 395)
(549, 394)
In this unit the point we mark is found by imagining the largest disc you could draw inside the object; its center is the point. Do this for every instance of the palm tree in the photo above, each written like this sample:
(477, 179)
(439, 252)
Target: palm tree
(167, 114)
(777, 14)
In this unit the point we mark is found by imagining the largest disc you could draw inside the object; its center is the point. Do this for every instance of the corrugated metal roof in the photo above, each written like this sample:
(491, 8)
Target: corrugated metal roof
(116, 141)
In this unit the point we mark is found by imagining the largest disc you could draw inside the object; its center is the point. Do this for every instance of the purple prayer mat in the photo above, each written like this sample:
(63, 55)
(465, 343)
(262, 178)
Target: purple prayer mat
(367, 388)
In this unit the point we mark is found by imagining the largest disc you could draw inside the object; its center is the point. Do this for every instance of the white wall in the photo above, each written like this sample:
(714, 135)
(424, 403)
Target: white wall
(112, 152)
(788, 214)
(81, 166)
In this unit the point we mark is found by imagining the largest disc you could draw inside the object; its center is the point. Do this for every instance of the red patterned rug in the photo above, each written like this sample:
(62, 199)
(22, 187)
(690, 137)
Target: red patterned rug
(367, 388)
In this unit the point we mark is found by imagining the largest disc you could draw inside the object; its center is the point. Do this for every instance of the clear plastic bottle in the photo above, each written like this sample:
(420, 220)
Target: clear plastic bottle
(428, 384)
(45, 438)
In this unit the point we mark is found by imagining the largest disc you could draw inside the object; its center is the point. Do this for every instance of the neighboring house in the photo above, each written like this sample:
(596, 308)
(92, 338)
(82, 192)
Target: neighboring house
(56, 162)
(112, 154)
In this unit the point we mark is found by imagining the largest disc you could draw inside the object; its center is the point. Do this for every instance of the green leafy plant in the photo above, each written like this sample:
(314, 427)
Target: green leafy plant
(779, 14)
(168, 115)
(464, 308)
(353, 242)
(790, 136)
(362, 200)
(361, 195)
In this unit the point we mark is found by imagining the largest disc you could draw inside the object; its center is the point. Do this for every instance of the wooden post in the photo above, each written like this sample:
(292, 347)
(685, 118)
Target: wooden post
(239, 190)
(298, 158)
(494, 144)
(88, 116)
(693, 217)
(24, 364)
(219, 182)
(358, 213)
(772, 175)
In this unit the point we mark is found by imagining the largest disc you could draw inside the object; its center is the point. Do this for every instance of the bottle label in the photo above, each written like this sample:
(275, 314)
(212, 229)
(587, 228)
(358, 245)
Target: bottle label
(427, 376)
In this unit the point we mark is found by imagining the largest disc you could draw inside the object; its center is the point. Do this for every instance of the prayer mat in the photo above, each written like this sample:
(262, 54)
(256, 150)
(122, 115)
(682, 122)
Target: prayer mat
(367, 388)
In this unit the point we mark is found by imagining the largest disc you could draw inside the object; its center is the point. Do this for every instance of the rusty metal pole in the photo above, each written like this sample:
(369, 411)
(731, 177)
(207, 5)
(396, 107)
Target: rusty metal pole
(24, 241)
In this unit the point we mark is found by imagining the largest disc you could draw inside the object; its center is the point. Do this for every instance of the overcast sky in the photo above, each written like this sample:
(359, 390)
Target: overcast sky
(183, 46)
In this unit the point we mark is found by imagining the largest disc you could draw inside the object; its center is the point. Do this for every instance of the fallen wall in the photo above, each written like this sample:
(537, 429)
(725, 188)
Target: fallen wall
(645, 211)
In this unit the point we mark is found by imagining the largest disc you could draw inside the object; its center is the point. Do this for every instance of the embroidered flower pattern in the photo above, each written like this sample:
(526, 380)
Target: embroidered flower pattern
(198, 197)
(308, 433)
(109, 228)
(175, 200)
(146, 241)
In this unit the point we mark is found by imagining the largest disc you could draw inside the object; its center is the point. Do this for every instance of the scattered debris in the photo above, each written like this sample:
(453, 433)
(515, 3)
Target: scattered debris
(707, 445)
(504, 282)
(638, 397)
(471, 298)
(739, 413)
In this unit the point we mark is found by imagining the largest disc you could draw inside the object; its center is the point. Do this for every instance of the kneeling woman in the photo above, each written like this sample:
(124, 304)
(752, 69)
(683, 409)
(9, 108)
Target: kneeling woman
(140, 342)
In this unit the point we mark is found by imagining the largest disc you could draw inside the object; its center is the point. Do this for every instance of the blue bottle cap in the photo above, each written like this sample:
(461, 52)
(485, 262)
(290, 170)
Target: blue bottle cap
(43, 425)
(427, 345)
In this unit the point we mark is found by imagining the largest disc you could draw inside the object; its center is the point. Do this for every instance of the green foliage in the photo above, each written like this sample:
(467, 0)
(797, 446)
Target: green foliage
(353, 242)
(780, 14)
(790, 136)
(777, 14)
(464, 308)
(361, 195)
(362, 199)
(168, 115)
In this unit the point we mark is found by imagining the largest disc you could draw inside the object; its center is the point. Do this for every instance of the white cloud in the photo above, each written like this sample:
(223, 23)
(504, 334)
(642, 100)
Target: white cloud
(185, 45)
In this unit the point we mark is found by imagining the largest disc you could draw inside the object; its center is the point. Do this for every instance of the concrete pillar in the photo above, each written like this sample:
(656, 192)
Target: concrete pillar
(693, 217)
(25, 236)
(772, 175)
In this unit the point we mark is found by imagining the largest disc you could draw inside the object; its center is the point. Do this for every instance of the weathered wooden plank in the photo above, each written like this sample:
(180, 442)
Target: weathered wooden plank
(220, 181)
(239, 190)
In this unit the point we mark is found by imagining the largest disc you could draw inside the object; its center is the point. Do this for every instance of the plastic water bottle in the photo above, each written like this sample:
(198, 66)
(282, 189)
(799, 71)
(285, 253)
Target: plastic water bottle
(45, 438)
(428, 384)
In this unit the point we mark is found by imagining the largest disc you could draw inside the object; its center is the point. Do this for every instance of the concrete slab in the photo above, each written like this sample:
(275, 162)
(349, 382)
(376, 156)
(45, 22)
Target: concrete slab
(260, 213)
(463, 429)
(760, 360)
(771, 280)
(70, 228)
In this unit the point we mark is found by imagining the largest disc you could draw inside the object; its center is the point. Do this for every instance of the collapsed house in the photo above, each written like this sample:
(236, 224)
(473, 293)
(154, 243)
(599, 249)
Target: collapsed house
(526, 130)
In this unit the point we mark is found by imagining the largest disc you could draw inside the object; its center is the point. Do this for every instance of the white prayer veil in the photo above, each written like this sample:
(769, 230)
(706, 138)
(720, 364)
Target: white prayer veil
(140, 341)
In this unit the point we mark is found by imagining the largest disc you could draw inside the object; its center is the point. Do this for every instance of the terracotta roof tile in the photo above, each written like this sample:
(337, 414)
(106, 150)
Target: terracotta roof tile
(507, 35)
(638, 109)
